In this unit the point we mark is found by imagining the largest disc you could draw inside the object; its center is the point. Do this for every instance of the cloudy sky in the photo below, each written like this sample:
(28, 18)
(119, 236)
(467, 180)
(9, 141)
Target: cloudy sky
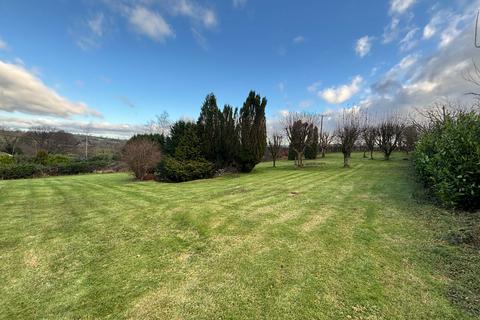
(112, 65)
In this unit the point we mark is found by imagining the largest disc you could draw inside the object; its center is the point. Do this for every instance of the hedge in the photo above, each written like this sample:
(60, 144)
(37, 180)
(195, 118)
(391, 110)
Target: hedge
(447, 160)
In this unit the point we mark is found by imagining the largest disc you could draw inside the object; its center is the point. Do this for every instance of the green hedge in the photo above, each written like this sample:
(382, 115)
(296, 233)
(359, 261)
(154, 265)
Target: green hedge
(30, 169)
(173, 170)
(447, 160)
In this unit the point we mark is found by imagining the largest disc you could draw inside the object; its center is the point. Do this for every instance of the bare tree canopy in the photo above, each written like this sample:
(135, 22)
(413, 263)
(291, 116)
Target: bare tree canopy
(275, 146)
(52, 140)
(349, 128)
(390, 132)
(369, 135)
(326, 139)
(141, 156)
(298, 128)
(160, 124)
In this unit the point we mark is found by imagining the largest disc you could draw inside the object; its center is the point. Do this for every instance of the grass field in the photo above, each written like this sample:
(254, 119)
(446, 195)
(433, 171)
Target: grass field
(320, 242)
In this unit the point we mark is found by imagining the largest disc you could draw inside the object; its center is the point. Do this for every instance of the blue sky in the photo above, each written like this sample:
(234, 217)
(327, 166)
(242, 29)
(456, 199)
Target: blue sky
(115, 64)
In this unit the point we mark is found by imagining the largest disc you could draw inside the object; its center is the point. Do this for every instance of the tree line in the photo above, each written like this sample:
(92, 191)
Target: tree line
(220, 138)
(354, 129)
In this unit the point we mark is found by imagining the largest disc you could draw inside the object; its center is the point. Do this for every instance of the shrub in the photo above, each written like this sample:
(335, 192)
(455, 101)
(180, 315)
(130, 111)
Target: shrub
(20, 171)
(141, 156)
(6, 160)
(447, 160)
(56, 159)
(174, 170)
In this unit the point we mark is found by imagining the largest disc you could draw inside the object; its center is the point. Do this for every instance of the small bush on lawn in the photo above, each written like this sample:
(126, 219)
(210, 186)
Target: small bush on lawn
(174, 170)
(141, 156)
(447, 160)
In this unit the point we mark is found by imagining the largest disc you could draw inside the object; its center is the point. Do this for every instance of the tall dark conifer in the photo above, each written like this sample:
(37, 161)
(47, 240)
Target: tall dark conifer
(208, 128)
(253, 131)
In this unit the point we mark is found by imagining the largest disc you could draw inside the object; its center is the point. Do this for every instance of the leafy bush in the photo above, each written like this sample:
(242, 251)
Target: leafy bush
(56, 159)
(20, 171)
(447, 160)
(174, 170)
(6, 160)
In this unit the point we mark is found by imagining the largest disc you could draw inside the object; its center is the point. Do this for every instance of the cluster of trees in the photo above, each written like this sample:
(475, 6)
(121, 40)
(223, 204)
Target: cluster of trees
(353, 130)
(220, 138)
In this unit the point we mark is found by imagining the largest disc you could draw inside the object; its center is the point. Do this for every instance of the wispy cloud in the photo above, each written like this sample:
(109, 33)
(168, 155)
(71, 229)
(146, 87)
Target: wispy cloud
(239, 3)
(342, 93)
(205, 16)
(90, 32)
(126, 101)
(298, 39)
(22, 91)
(400, 6)
(200, 38)
(313, 88)
(150, 23)
(3, 45)
(363, 46)
(409, 41)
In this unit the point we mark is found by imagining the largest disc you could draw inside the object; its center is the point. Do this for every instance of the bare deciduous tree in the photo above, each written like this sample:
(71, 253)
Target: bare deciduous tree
(275, 146)
(161, 124)
(141, 157)
(326, 139)
(10, 140)
(298, 127)
(348, 130)
(369, 135)
(390, 132)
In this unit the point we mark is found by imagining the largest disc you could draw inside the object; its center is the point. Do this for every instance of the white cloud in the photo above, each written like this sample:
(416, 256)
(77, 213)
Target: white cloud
(150, 23)
(298, 39)
(205, 16)
(239, 3)
(95, 128)
(409, 41)
(22, 91)
(429, 31)
(284, 112)
(281, 86)
(340, 94)
(3, 45)
(400, 6)
(416, 81)
(363, 46)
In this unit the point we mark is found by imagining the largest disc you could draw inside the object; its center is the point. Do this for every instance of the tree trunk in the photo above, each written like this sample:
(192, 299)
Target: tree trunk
(323, 153)
(371, 154)
(274, 162)
(299, 159)
(345, 161)
(364, 153)
(387, 156)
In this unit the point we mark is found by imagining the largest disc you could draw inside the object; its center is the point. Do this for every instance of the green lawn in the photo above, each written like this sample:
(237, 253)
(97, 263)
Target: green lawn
(320, 242)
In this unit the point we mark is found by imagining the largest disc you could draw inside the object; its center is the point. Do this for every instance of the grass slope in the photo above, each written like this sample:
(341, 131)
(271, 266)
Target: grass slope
(321, 242)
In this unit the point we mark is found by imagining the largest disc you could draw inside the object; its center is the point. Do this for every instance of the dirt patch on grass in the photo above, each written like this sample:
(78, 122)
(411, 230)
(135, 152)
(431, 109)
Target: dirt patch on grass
(31, 260)
(314, 221)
